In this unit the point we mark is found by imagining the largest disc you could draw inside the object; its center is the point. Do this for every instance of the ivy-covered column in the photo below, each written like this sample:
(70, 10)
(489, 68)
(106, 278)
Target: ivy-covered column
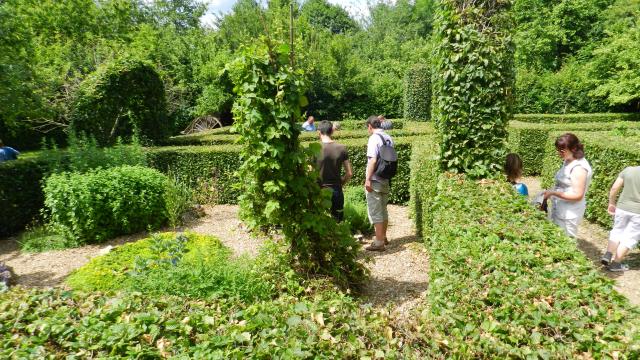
(417, 93)
(474, 78)
(279, 186)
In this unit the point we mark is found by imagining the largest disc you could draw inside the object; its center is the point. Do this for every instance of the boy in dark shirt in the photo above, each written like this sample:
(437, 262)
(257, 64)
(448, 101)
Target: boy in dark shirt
(332, 158)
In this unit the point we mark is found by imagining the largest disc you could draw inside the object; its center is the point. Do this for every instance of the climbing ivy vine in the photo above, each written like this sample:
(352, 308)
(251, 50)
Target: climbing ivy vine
(473, 85)
(279, 186)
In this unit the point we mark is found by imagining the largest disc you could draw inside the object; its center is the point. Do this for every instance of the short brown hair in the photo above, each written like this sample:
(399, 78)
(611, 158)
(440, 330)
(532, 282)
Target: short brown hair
(513, 167)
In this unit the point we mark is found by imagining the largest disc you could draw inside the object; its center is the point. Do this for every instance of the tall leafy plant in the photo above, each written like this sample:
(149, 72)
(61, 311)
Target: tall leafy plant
(474, 81)
(279, 187)
(417, 93)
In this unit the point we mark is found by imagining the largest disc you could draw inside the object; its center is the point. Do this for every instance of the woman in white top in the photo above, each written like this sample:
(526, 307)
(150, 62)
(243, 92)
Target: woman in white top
(571, 184)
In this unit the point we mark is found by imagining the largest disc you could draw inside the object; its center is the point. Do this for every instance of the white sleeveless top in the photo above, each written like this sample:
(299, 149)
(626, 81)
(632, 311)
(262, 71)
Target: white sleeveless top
(564, 209)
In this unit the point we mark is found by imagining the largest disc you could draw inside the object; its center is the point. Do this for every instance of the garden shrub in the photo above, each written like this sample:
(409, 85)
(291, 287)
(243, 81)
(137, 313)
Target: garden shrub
(424, 168)
(576, 118)
(417, 93)
(474, 80)
(361, 125)
(529, 139)
(608, 153)
(355, 210)
(100, 204)
(122, 99)
(61, 323)
(507, 283)
(189, 265)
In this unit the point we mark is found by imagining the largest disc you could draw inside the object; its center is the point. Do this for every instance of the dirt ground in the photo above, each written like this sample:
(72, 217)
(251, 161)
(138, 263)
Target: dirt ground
(592, 240)
(398, 275)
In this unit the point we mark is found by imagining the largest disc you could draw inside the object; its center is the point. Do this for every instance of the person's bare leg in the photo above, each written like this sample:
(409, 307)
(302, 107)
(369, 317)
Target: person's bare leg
(381, 232)
(621, 253)
(612, 247)
(385, 225)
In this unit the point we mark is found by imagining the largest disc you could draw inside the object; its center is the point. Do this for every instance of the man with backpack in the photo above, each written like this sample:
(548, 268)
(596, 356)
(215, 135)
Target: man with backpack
(381, 167)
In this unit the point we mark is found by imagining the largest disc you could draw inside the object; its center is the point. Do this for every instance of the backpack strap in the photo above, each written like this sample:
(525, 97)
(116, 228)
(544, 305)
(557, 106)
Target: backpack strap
(384, 141)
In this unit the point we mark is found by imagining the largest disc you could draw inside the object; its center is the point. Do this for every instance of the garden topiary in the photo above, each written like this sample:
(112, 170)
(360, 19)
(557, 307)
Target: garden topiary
(417, 93)
(121, 99)
(474, 80)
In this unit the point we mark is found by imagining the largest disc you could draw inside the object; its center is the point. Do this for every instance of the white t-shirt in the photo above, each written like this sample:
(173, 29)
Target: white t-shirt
(565, 209)
(373, 149)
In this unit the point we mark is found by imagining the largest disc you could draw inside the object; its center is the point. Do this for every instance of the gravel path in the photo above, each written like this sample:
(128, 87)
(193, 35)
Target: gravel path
(399, 275)
(592, 240)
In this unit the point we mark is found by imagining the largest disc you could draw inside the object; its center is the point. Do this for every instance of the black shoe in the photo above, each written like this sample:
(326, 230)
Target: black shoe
(618, 267)
(606, 258)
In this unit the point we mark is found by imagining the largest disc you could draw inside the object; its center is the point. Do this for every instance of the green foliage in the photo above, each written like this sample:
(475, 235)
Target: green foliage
(417, 93)
(278, 187)
(355, 210)
(608, 152)
(124, 98)
(100, 204)
(474, 79)
(529, 140)
(42, 238)
(505, 282)
(576, 118)
(178, 199)
(425, 170)
(62, 323)
(188, 265)
(83, 154)
(322, 14)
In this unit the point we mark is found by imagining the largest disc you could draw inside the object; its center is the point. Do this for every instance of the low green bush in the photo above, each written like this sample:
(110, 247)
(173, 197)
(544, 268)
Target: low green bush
(608, 153)
(529, 140)
(506, 283)
(189, 265)
(355, 210)
(576, 118)
(57, 323)
(361, 124)
(100, 204)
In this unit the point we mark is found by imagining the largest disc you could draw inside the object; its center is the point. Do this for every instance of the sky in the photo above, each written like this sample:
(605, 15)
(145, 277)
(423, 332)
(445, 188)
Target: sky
(357, 8)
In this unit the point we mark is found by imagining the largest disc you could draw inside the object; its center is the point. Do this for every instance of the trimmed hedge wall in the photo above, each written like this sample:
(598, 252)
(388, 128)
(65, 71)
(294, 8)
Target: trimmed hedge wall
(507, 283)
(417, 93)
(504, 281)
(608, 153)
(577, 118)
(217, 138)
(529, 140)
(218, 164)
(361, 124)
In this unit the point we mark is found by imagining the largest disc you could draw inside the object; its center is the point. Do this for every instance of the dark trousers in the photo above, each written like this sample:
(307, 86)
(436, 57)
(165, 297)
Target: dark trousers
(337, 202)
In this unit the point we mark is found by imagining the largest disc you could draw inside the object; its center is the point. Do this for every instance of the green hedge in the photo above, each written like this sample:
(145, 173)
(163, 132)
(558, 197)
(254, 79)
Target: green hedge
(20, 191)
(577, 118)
(217, 164)
(101, 204)
(507, 283)
(217, 138)
(361, 124)
(417, 93)
(608, 153)
(529, 140)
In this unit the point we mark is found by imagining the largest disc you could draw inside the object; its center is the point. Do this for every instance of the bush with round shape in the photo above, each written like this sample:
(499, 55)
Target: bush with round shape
(100, 204)
(122, 99)
(417, 93)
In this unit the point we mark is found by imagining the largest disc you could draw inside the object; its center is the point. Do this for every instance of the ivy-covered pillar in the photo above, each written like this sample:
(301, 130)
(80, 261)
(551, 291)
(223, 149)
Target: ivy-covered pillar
(473, 82)
(417, 93)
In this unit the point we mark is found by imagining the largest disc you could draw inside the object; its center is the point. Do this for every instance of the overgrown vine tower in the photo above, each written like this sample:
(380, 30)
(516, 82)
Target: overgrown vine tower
(474, 78)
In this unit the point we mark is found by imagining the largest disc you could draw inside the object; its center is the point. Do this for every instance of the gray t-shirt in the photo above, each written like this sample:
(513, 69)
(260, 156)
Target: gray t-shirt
(630, 198)
(373, 149)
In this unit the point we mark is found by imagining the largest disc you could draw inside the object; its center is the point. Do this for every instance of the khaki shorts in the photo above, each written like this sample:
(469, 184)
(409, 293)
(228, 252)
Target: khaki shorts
(570, 226)
(626, 228)
(377, 202)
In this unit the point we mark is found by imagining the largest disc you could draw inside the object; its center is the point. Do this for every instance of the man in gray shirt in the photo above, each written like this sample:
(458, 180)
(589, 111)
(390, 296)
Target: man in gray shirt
(626, 228)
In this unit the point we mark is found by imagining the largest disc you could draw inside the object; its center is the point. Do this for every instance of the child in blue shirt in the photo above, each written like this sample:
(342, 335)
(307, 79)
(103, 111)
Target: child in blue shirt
(513, 169)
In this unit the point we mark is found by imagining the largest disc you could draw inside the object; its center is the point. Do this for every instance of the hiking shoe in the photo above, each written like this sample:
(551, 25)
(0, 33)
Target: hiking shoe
(375, 247)
(606, 258)
(618, 267)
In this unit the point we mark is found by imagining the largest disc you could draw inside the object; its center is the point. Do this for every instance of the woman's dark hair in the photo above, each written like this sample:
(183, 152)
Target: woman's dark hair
(513, 167)
(570, 142)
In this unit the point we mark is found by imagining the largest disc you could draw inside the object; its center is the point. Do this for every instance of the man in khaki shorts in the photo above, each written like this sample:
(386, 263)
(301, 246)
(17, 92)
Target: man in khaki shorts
(377, 188)
(626, 228)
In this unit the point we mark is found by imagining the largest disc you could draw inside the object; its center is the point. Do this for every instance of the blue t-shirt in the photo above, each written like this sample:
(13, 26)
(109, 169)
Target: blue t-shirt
(8, 153)
(308, 127)
(521, 189)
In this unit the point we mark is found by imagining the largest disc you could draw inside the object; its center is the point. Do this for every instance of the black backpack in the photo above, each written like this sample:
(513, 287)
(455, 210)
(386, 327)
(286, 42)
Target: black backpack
(387, 164)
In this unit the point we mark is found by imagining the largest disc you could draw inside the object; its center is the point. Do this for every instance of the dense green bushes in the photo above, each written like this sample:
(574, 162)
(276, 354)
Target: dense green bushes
(608, 153)
(529, 139)
(100, 204)
(505, 282)
(355, 210)
(417, 93)
(576, 118)
(122, 99)
(473, 84)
